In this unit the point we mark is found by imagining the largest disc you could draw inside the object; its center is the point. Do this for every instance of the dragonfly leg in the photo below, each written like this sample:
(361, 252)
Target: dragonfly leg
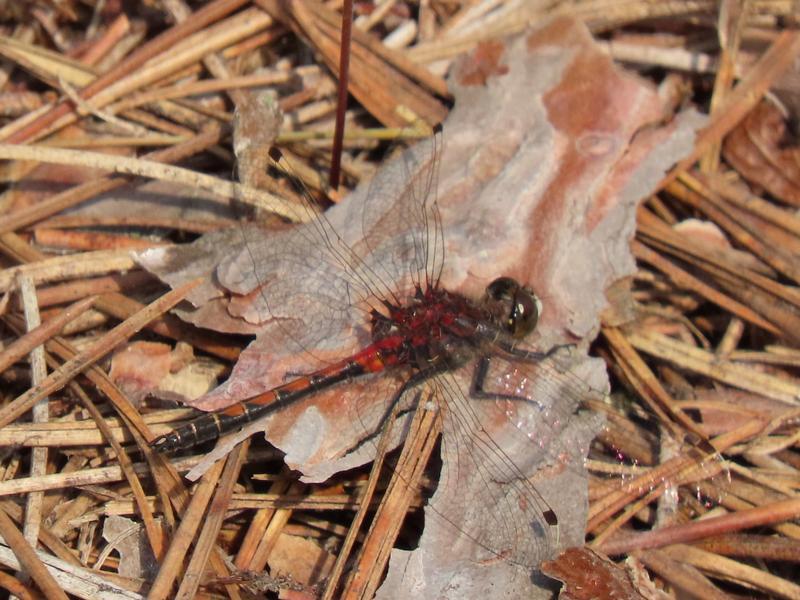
(416, 379)
(476, 389)
(531, 356)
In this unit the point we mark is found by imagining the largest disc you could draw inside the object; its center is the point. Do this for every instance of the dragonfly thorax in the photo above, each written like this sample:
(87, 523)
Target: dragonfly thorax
(435, 324)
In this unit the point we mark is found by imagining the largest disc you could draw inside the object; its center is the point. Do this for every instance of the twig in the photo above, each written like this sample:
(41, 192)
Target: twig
(155, 170)
(103, 346)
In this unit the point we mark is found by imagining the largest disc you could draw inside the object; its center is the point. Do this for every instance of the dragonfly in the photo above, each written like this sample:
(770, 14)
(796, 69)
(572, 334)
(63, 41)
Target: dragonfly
(426, 340)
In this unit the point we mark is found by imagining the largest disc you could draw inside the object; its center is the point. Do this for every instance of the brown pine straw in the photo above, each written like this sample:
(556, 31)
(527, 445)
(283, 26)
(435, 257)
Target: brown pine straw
(685, 280)
(73, 196)
(747, 93)
(374, 553)
(23, 345)
(777, 512)
(680, 575)
(660, 477)
(58, 379)
(15, 587)
(117, 305)
(201, 19)
(172, 563)
(154, 533)
(28, 559)
(211, 525)
(381, 79)
(662, 366)
(366, 504)
(77, 362)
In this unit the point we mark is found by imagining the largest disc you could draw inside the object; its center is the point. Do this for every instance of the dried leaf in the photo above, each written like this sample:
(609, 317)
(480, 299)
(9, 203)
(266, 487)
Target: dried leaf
(142, 368)
(762, 151)
(128, 538)
(485, 63)
(539, 179)
(301, 559)
(587, 575)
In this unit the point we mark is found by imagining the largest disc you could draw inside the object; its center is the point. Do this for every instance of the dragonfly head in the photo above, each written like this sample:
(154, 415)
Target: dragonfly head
(515, 307)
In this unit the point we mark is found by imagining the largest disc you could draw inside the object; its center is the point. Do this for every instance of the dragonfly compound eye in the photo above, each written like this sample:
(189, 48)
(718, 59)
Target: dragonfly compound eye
(520, 306)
